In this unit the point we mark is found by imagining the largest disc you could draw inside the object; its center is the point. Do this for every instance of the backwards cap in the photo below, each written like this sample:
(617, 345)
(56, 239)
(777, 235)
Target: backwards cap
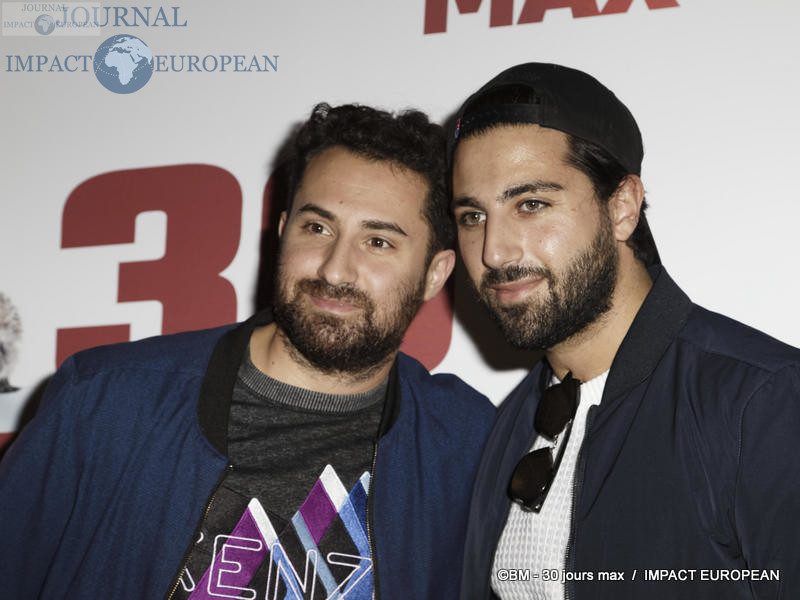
(561, 98)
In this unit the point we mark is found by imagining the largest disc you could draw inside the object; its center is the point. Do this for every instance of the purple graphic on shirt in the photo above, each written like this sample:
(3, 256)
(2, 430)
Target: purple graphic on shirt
(238, 556)
(318, 512)
(236, 559)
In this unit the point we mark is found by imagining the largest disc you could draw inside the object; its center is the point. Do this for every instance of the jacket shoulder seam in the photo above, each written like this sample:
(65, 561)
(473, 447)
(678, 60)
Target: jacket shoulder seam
(745, 407)
(87, 372)
(770, 369)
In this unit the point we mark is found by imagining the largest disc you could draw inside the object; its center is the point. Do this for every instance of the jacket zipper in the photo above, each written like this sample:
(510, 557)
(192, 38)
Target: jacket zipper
(577, 487)
(197, 531)
(370, 525)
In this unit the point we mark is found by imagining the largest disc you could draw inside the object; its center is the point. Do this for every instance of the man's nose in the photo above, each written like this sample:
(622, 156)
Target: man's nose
(338, 265)
(501, 245)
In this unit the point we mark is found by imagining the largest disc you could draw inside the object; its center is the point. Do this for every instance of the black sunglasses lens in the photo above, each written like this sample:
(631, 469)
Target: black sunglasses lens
(531, 476)
(535, 471)
(556, 408)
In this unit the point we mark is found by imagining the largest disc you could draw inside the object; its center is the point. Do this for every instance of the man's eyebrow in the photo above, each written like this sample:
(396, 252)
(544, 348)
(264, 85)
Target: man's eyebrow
(383, 226)
(532, 187)
(466, 202)
(318, 210)
(373, 224)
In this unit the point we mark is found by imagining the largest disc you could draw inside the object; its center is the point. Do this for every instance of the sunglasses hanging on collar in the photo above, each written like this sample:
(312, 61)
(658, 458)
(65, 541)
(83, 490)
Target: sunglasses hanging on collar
(535, 471)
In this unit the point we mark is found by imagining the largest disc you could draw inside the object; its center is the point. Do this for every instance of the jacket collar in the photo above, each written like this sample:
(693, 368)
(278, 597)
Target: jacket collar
(657, 323)
(655, 327)
(660, 318)
(216, 392)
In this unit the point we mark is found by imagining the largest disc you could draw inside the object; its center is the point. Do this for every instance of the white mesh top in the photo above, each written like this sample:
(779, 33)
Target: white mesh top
(533, 546)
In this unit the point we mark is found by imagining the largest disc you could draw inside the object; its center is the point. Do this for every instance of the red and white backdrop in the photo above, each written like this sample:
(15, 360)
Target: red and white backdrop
(138, 143)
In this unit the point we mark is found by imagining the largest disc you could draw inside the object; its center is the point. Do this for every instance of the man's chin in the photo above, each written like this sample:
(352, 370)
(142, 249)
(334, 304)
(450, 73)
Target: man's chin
(517, 324)
(327, 321)
(333, 344)
(509, 312)
(346, 356)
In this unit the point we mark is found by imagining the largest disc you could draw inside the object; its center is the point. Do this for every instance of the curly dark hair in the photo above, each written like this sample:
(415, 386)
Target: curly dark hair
(407, 139)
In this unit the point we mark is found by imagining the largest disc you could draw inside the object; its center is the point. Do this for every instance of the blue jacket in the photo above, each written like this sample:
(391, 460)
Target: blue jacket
(689, 462)
(101, 494)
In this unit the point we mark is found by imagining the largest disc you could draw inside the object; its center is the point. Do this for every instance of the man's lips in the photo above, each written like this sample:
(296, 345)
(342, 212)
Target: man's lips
(513, 291)
(333, 305)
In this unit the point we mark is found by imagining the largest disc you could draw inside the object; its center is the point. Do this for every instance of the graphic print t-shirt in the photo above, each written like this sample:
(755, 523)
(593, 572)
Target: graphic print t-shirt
(290, 519)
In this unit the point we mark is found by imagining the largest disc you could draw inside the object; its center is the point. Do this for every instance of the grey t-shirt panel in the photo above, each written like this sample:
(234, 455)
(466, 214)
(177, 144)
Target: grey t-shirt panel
(281, 438)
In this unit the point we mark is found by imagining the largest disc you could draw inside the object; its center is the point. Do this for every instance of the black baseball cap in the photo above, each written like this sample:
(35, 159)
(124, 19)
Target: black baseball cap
(560, 98)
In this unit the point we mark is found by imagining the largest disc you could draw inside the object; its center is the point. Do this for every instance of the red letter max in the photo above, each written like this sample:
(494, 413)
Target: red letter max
(501, 12)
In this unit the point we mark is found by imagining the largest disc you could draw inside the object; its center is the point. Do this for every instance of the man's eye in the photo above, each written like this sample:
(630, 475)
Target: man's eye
(470, 219)
(379, 243)
(531, 206)
(314, 227)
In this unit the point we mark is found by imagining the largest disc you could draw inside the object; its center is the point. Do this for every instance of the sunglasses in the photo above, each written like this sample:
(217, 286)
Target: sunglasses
(535, 471)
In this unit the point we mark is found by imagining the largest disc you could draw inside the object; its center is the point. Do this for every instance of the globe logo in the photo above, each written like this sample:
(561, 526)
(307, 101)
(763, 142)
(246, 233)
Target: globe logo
(123, 64)
(44, 24)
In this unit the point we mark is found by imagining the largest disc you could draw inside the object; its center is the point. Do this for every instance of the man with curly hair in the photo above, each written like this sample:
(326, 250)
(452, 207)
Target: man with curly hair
(297, 455)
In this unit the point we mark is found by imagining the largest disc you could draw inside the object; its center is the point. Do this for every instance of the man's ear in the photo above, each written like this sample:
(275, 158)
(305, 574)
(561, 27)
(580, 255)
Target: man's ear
(438, 271)
(282, 223)
(624, 206)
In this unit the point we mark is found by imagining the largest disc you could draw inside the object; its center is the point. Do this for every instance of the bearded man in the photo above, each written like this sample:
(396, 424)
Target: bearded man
(651, 454)
(297, 455)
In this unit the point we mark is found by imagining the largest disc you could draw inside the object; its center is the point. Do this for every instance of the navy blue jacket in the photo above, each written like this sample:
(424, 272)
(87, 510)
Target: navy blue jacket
(689, 462)
(103, 491)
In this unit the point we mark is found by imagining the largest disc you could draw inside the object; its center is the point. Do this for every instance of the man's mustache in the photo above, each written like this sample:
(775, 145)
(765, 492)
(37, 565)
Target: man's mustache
(513, 273)
(344, 293)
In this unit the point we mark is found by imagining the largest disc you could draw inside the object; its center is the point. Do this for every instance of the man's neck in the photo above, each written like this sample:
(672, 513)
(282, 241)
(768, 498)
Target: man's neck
(273, 354)
(591, 352)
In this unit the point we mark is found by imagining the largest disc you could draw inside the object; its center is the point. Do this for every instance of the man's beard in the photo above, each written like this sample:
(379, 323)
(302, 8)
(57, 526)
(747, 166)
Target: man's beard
(352, 345)
(576, 298)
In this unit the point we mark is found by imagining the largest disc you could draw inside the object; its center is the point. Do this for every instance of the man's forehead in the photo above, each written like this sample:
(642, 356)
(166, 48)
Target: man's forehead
(512, 152)
(342, 183)
(508, 161)
(369, 170)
